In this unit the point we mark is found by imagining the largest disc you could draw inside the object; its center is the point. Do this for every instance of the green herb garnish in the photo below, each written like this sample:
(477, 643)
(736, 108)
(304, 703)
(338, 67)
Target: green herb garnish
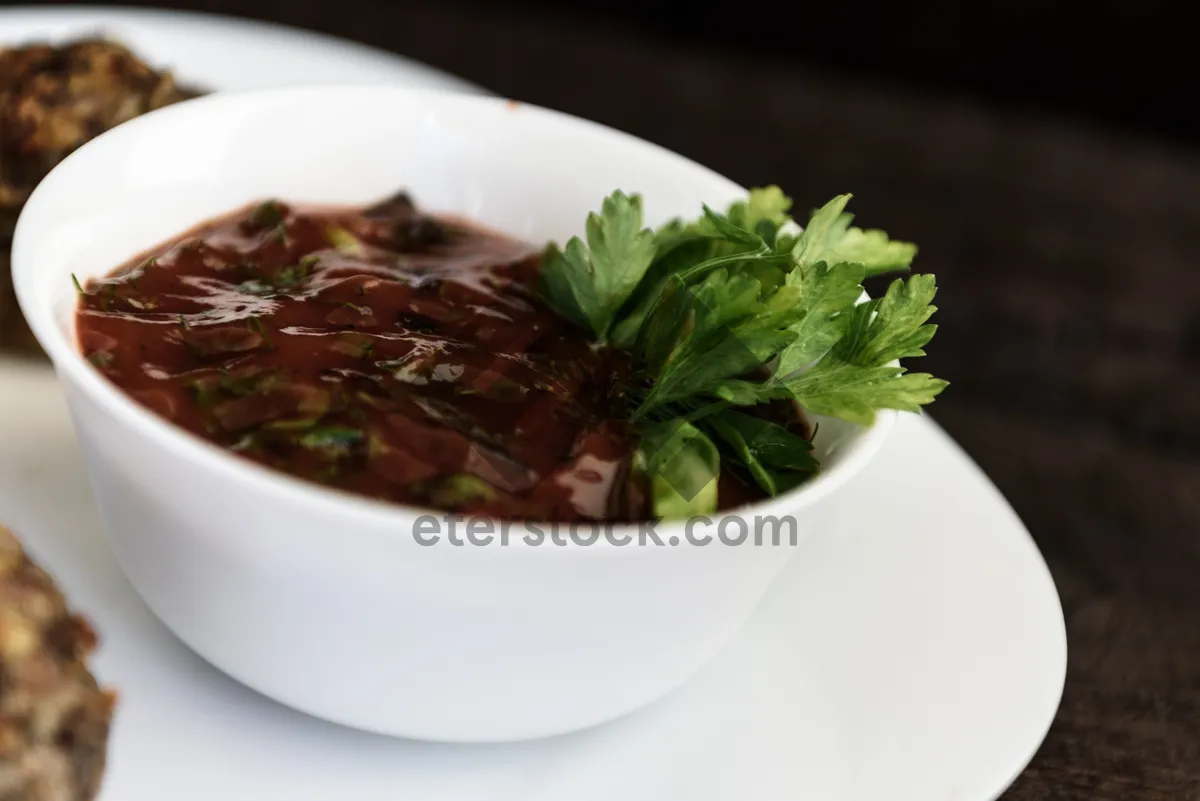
(459, 489)
(292, 275)
(246, 382)
(739, 310)
(344, 241)
(588, 283)
(354, 344)
(775, 458)
(248, 443)
(335, 441)
(268, 214)
(255, 323)
(681, 463)
(254, 286)
(205, 391)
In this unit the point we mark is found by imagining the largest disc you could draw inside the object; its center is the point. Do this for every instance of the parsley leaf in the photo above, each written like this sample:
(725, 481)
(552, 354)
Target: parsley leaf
(874, 251)
(851, 392)
(858, 375)
(740, 392)
(719, 329)
(826, 293)
(825, 229)
(829, 237)
(673, 260)
(776, 458)
(742, 239)
(662, 333)
(682, 464)
(764, 212)
(895, 330)
(742, 309)
(588, 284)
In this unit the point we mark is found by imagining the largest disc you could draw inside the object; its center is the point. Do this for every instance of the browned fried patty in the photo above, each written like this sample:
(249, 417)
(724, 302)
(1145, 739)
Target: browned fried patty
(52, 100)
(54, 719)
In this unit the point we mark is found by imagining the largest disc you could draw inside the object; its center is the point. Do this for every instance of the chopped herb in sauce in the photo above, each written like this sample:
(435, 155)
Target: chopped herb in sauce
(265, 216)
(332, 439)
(256, 287)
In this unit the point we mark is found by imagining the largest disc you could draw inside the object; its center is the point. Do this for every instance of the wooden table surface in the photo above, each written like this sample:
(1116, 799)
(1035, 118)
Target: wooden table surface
(1069, 261)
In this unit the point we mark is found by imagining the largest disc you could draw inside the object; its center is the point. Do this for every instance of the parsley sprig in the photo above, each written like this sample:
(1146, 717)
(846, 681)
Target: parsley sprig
(733, 311)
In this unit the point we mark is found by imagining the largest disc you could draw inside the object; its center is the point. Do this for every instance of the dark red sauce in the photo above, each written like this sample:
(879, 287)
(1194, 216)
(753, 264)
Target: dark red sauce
(380, 351)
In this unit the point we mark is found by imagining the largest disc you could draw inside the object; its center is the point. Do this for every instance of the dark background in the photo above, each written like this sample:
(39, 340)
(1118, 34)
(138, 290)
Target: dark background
(1042, 154)
(1129, 64)
(1124, 63)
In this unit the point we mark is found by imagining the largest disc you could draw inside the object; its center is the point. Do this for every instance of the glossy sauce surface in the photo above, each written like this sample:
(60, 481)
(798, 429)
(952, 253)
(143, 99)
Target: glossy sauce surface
(379, 351)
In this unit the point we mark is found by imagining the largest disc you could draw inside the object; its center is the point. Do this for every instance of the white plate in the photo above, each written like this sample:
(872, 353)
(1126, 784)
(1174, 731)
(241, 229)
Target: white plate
(224, 53)
(917, 652)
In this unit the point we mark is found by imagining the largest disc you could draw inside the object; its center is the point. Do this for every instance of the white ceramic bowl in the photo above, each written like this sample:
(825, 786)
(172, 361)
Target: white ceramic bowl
(325, 601)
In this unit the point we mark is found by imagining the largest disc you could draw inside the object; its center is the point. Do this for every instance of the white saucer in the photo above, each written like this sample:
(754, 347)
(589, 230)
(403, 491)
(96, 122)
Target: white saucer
(223, 53)
(918, 652)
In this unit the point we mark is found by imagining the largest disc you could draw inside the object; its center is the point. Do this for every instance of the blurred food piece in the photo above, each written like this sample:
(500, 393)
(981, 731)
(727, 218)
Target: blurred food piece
(52, 100)
(54, 719)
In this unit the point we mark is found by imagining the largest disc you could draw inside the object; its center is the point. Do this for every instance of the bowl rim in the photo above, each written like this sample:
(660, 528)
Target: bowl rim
(329, 501)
